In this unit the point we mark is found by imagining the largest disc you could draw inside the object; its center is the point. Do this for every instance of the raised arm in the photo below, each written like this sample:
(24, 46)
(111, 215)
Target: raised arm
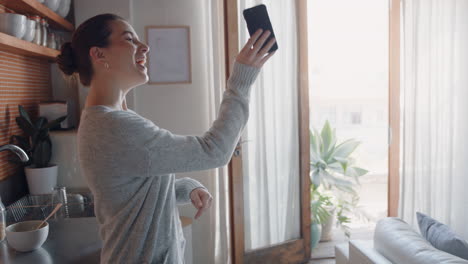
(162, 152)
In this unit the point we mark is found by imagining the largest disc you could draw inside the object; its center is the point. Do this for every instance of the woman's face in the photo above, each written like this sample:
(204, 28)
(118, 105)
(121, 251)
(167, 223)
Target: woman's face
(126, 55)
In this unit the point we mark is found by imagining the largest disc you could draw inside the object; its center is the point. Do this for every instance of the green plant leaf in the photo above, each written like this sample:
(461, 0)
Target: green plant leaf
(314, 156)
(43, 134)
(319, 212)
(326, 135)
(318, 142)
(345, 149)
(328, 154)
(42, 153)
(26, 126)
(350, 172)
(326, 179)
(315, 146)
(316, 180)
(40, 122)
(24, 114)
(313, 143)
(336, 167)
(338, 182)
(356, 172)
(340, 159)
(351, 161)
(360, 172)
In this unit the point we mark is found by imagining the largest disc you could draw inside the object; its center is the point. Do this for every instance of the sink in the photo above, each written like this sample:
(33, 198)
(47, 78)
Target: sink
(80, 203)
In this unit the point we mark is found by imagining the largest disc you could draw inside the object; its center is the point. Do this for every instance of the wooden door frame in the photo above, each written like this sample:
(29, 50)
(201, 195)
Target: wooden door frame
(394, 109)
(293, 251)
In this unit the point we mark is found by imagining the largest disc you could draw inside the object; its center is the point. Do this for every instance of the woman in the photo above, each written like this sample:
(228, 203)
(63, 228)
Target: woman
(129, 162)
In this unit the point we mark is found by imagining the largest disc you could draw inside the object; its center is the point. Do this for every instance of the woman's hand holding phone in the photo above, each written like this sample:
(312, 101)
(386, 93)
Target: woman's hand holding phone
(252, 53)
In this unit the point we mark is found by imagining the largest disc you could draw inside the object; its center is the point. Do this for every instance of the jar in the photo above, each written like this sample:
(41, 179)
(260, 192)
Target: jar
(2, 221)
(51, 41)
(38, 30)
(59, 40)
(45, 31)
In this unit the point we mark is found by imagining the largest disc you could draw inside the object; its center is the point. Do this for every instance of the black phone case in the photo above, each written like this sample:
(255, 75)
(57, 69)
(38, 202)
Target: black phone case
(257, 17)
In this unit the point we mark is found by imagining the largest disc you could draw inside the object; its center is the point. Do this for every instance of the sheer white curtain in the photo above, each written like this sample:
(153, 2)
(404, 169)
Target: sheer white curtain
(215, 226)
(271, 149)
(434, 173)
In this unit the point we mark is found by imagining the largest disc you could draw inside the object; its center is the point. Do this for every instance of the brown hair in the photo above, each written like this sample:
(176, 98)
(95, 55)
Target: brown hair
(74, 55)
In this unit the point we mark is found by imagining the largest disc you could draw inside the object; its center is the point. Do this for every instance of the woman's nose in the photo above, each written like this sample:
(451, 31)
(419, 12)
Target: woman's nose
(145, 48)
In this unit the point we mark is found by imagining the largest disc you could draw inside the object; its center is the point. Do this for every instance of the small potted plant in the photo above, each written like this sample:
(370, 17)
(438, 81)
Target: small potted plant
(320, 214)
(332, 170)
(40, 174)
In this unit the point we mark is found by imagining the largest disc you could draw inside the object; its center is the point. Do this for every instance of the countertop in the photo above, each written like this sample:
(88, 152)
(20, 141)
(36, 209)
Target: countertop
(70, 240)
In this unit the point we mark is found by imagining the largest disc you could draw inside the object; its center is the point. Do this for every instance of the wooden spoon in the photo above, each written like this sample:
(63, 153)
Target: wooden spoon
(51, 214)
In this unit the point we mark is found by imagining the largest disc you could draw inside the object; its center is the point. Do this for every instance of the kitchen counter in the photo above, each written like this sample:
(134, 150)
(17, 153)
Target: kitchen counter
(70, 240)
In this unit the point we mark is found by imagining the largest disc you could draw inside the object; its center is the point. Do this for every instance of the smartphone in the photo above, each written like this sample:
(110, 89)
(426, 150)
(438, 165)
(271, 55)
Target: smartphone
(256, 18)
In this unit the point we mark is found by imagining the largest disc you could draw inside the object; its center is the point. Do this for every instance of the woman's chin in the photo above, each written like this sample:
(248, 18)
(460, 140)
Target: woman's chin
(143, 77)
(142, 81)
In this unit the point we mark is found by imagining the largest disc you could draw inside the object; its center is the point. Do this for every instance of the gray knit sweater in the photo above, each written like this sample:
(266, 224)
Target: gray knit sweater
(129, 165)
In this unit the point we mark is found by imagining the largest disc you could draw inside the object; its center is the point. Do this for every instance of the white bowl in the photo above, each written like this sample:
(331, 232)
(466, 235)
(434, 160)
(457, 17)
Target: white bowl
(13, 24)
(22, 236)
(30, 30)
(64, 8)
(52, 4)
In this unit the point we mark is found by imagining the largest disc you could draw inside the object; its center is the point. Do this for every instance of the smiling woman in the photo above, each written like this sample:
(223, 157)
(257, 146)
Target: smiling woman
(128, 161)
(99, 52)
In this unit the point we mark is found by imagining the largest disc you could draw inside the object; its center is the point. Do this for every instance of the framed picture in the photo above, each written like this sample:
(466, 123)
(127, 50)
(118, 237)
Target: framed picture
(169, 57)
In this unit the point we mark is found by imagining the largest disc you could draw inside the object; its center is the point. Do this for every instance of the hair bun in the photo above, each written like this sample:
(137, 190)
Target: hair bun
(66, 59)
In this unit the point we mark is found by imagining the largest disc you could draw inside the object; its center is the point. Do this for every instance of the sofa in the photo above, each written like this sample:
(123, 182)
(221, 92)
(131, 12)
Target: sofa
(394, 242)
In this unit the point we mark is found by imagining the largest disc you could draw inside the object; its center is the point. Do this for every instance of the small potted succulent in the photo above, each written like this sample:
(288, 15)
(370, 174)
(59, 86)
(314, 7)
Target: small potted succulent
(40, 174)
(319, 205)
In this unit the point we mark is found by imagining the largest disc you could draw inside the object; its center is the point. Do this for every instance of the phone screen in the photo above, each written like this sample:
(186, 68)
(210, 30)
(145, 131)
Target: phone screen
(256, 18)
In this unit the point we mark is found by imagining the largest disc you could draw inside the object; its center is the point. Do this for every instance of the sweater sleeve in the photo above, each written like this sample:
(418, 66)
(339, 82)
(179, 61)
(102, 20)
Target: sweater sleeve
(160, 152)
(183, 188)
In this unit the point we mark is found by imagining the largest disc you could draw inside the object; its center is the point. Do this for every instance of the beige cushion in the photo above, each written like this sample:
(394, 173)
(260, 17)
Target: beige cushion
(400, 243)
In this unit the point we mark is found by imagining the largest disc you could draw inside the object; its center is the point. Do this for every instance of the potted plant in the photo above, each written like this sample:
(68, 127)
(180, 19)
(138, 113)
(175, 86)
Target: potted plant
(333, 170)
(319, 214)
(40, 174)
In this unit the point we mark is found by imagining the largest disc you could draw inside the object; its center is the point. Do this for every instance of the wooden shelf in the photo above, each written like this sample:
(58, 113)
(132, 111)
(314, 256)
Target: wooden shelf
(31, 7)
(19, 46)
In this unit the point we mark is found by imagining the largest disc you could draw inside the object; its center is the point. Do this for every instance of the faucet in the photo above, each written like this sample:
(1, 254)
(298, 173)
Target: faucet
(17, 150)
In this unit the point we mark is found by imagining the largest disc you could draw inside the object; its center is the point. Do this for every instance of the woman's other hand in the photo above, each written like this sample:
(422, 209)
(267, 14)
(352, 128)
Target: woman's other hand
(252, 53)
(201, 199)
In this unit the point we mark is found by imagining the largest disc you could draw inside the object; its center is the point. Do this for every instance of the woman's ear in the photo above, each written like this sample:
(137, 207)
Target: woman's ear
(97, 55)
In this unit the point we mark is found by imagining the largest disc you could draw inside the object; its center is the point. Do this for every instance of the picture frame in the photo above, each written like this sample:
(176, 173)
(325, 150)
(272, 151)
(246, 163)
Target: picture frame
(169, 59)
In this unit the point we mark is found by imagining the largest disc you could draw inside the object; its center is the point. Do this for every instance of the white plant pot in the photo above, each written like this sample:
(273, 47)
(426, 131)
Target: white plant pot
(41, 180)
(327, 227)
